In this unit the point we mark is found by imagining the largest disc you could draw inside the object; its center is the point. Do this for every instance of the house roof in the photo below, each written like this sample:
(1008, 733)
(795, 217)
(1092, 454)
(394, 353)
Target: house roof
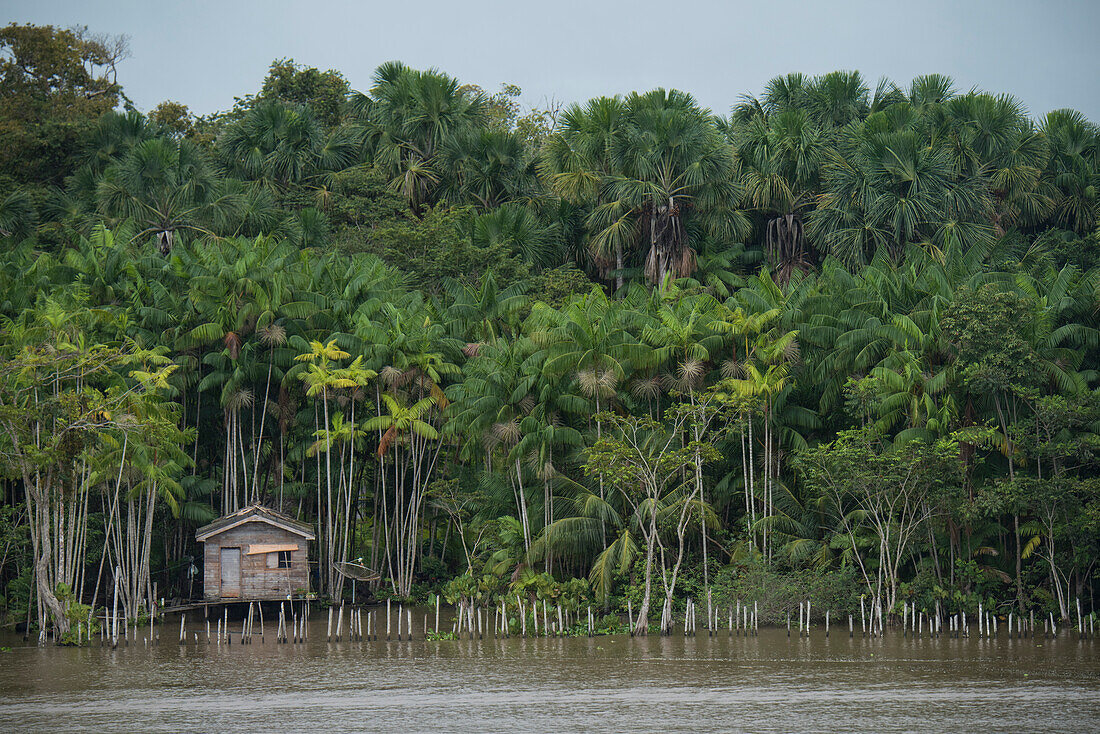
(254, 513)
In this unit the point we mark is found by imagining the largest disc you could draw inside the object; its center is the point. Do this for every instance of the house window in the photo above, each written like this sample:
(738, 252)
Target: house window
(278, 559)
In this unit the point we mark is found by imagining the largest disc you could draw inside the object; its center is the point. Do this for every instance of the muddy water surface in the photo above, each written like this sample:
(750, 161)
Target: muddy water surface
(765, 683)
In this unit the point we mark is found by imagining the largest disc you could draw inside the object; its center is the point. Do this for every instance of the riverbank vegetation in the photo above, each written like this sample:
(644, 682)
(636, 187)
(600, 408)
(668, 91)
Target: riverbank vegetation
(839, 339)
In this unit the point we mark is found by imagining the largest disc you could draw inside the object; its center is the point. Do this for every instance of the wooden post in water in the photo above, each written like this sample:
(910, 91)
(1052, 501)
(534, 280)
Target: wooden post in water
(114, 614)
(862, 617)
(183, 618)
(826, 624)
(437, 614)
(387, 620)
(710, 607)
(756, 618)
(225, 627)
(851, 627)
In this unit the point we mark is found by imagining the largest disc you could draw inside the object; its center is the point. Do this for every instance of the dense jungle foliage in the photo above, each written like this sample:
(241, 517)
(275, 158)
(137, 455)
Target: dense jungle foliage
(840, 341)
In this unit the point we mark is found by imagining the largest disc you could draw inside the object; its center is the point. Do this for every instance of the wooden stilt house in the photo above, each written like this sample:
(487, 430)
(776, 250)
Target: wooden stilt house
(255, 554)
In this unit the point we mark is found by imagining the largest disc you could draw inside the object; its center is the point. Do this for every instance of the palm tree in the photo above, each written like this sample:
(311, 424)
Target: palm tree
(887, 189)
(405, 424)
(781, 157)
(280, 144)
(408, 117)
(167, 188)
(576, 160)
(669, 159)
(485, 168)
(322, 378)
(1074, 169)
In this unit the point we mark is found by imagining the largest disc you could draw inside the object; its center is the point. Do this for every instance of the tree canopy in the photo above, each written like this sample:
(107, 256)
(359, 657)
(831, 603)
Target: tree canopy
(626, 347)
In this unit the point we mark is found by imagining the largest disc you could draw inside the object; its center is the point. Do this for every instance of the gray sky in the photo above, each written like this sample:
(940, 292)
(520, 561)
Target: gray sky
(203, 53)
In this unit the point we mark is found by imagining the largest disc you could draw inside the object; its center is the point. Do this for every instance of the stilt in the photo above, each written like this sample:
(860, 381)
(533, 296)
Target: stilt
(710, 607)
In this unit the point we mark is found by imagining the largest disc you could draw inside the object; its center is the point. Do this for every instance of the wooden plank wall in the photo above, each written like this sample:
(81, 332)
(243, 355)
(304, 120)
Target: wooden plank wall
(257, 580)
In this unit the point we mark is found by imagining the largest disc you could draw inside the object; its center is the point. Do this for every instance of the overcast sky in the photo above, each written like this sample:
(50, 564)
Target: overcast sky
(203, 53)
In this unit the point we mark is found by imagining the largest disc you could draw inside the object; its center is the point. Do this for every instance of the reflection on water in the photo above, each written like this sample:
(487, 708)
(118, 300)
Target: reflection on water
(765, 683)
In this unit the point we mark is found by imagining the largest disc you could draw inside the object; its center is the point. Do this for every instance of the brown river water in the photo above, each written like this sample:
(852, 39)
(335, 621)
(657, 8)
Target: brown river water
(768, 683)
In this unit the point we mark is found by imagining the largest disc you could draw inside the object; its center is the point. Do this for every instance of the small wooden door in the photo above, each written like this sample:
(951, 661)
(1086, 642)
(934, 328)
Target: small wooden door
(231, 571)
